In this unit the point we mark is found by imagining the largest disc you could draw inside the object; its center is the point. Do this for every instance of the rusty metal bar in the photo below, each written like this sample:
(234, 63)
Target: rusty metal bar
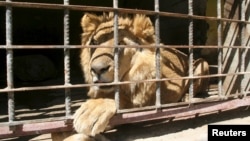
(180, 112)
(170, 105)
(120, 46)
(116, 55)
(67, 61)
(190, 44)
(118, 83)
(157, 54)
(181, 104)
(220, 49)
(9, 63)
(243, 51)
(35, 128)
(109, 9)
(176, 113)
(22, 122)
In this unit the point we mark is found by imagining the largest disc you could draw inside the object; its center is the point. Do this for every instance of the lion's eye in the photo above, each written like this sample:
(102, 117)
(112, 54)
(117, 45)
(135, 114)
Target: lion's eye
(103, 70)
(99, 69)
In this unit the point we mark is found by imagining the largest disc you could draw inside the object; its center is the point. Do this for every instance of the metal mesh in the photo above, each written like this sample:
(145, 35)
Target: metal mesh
(225, 96)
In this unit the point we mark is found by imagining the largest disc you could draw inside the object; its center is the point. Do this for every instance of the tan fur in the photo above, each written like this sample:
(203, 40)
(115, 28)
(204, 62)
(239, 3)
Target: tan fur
(134, 64)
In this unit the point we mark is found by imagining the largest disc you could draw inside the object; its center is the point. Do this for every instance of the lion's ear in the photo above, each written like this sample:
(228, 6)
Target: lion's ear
(142, 26)
(90, 22)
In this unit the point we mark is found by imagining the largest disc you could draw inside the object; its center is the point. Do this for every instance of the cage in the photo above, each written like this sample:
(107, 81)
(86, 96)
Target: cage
(41, 82)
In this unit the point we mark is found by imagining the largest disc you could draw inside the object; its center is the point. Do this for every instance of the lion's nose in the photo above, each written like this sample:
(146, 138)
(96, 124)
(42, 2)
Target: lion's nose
(99, 68)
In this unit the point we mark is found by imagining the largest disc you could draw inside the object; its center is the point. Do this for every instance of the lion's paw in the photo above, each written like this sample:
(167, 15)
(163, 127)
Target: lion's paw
(93, 116)
(82, 137)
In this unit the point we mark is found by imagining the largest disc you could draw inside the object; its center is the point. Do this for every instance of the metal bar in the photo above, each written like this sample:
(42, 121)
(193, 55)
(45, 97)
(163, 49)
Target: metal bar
(180, 112)
(170, 105)
(176, 113)
(116, 56)
(118, 83)
(110, 9)
(190, 43)
(35, 128)
(243, 51)
(34, 121)
(180, 104)
(220, 49)
(67, 61)
(157, 55)
(9, 63)
(97, 46)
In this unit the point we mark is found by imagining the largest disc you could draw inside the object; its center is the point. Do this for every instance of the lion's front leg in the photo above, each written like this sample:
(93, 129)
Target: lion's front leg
(93, 116)
(201, 67)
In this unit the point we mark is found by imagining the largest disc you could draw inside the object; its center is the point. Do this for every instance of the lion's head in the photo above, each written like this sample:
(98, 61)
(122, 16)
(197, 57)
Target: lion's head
(98, 63)
(134, 63)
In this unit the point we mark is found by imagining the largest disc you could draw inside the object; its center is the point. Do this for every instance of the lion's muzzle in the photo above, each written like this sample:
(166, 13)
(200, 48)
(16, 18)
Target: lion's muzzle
(102, 71)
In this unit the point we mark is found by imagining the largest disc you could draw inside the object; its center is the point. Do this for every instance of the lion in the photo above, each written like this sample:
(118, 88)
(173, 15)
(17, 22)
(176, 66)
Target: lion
(135, 64)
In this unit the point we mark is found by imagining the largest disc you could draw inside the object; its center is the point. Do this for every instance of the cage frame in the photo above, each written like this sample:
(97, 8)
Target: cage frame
(159, 111)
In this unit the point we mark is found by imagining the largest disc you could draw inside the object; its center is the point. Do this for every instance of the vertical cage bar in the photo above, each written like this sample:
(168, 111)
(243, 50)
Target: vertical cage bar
(9, 63)
(157, 54)
(116, 55)
(67, 60)
(190, 44)
(243, 45)
(220, 48)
